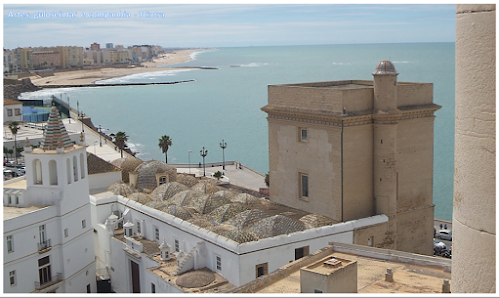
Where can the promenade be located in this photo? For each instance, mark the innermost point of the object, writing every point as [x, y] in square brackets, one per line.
[244, 177]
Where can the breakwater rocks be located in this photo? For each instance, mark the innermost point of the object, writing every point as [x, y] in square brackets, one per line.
[13, 91]
[113, 85]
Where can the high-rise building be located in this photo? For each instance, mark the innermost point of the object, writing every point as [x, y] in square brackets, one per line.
[352, 149]
[95, 47]
[109, 46]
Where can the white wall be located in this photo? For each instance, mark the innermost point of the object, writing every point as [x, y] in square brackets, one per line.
[238, 260]
[103, 180]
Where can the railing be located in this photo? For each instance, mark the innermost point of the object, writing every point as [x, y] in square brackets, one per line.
[44, 245]
[53, 280]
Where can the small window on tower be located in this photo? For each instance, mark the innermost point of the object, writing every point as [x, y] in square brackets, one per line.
[303, 134]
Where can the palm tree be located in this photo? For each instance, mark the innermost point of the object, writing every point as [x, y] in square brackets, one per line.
[164, 143]
[120, 139]
[14, 128]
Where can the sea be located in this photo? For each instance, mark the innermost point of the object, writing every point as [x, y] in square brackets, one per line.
[225, 103]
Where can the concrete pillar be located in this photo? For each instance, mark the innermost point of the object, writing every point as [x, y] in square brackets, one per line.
[474, 230]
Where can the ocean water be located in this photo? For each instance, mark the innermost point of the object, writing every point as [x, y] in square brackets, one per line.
[225, 103]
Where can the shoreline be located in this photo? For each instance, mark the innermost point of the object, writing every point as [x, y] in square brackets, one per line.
[86, 77]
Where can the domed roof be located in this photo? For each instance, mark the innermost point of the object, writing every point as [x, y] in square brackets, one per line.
[121, 188]
[168, 190]
[187, 180]
[178, 211]
[246, 199]
[227, 194]
[227, 211]
[184, 197]
[385, 67]
[240, 236]
[141, 197]
[206, 203]
[127, 165]
[247, 218]
[156, 205]
[312, 221]
[275, 225]
[148, 170]
[205, 187]
[202, 222]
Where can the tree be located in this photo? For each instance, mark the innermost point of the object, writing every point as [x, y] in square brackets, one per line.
[164, 143]
[217, 175]
[119, 139]
[14, 128]
[267, 179]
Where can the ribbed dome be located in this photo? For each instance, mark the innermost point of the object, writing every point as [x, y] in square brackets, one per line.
[127, 165]
[167, 191]
[184, 197]
[141, 197]
[226, 212]
[205, 187]
[227, 194]
[156, 205]
[275, 225]
[187, 180]
[121, 188]
[385, 67]
[178, 211]
[240, 236]
[207, 203]
[247, 218]
[246, 199]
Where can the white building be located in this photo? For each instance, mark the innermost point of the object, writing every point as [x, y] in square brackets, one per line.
[134, 241]
[12, 110]
[48, 236]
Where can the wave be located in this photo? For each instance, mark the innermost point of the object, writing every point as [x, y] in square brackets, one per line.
[341, 63]
[47, 93]
[141, 76]
[253, 64]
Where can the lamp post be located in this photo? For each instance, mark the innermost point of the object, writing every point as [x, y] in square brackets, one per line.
[223, 146]
[100, 138]
[203, 153]
[69, 109]
[189, 160]
[81, 119]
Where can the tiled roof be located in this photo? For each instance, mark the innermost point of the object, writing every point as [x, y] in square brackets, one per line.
[55, 134]
[9, 102]
[97, 165]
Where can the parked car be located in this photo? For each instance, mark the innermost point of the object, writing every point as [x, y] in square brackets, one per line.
[7, 173]
[20, 165]
[444, 234]
[10, 164]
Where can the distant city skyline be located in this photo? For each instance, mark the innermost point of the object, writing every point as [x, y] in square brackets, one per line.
[225, 25]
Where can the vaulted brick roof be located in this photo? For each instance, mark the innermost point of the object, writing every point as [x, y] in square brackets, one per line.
[97, 165]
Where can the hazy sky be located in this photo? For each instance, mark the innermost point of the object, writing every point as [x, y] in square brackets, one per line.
[227, 25]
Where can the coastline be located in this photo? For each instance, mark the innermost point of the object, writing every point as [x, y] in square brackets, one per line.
[84, 77]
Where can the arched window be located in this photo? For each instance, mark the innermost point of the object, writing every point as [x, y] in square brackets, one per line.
[37, 173]
[163, 180]
[68, 170]
[75, 169]
[82, 166]
[53, 172]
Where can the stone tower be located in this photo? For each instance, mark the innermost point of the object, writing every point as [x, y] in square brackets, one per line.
[474, 206]
[353, 149]
[385, 146]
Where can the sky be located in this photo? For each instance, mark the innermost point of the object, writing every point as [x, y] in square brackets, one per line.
[226, 25]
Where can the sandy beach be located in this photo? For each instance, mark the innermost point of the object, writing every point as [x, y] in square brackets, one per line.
[92, 76]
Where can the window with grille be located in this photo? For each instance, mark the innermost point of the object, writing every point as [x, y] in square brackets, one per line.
[157, 234]
[218, 263]
[12, 277]
[176, 245]
[304, 185]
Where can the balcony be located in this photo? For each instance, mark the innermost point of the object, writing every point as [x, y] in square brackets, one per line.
[39, 286]
[44, 246]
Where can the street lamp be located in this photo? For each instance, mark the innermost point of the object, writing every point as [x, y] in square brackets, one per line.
[81, 119]
[223, 146]
[100, 138]
[69, 109]
[203, 153]
[189, 160]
